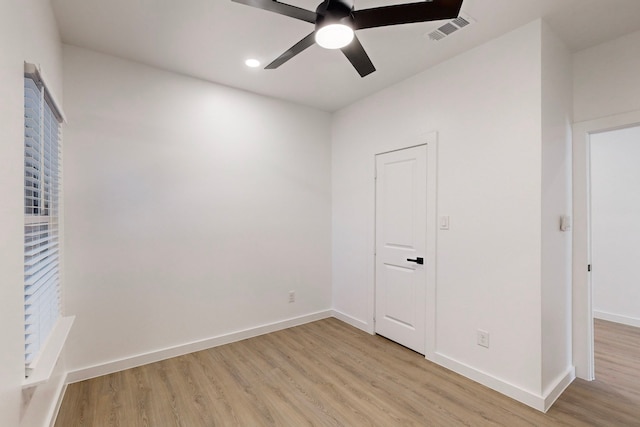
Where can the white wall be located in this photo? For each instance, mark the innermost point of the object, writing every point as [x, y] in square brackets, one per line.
[11, 218]
[557, 104]
[28, 32]
[606, 79]
[192, 209]
[486, 107]
[615, 231]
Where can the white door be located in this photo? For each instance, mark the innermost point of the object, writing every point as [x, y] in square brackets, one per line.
[401, 225]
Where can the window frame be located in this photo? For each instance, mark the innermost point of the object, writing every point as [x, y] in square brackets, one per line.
[42, 227]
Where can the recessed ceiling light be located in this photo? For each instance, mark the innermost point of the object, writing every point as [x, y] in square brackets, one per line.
[253, 63]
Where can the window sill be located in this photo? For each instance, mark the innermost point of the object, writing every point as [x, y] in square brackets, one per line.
[42, 369]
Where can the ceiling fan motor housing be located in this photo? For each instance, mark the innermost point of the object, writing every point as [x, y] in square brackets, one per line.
[334, 12]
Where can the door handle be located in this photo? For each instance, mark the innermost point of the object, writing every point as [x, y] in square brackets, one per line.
[417, 260]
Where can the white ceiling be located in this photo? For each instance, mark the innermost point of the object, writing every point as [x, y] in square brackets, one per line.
[210, 39]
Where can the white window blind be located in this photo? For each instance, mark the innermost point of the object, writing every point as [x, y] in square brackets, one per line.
[42, 168]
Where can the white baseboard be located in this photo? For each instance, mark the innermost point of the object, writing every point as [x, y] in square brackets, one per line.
[625, 320]
[356, 323]
[56, 408]
[541, 403]
[179, 350]
[558, 387]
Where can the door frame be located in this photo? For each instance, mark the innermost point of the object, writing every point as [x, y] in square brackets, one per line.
[430, 258]
[582, 316]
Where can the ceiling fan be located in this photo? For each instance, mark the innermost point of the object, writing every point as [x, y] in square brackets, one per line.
[336, 20]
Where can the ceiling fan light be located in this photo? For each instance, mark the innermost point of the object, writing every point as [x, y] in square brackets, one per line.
[334, 36]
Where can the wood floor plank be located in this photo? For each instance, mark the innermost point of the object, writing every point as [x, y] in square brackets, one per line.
[328, 373]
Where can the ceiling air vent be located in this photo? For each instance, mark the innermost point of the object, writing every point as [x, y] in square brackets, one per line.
[451, 27]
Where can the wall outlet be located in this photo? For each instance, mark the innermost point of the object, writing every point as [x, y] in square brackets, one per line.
[292, 296]
[483, 338]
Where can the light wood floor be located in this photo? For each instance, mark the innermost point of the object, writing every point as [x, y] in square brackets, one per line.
[327, 373]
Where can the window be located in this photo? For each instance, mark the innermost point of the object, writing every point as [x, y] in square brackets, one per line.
[42, 171]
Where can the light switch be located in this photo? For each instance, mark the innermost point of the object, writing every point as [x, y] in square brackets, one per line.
[565, 223]
[444, 223]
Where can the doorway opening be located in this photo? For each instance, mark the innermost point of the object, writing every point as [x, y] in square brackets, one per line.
[615, 230]
[615, 249]
[598, 212]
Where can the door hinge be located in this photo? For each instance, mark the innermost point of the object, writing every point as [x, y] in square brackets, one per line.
[589, 267]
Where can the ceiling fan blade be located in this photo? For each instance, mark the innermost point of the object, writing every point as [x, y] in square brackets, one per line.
[406, 13]
[282, 9]
[293, 51]
[356, 54]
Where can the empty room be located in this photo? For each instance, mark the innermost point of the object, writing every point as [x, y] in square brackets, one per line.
[338, 212]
